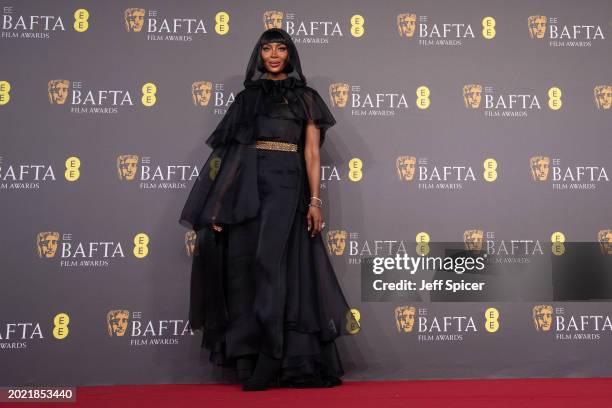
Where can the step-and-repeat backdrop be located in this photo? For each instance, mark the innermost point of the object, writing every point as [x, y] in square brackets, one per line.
[476, 122]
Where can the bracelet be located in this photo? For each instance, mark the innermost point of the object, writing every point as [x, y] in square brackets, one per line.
[317, 198]
[313, 205]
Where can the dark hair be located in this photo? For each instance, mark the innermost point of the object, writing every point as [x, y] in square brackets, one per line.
[272, 36]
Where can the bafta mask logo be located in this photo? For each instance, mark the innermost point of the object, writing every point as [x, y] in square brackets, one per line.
[127, 166]
[406, 22]
[472, 94]
[338, 94]
[58, 91]
[117, 322]
[200, 93]
[537, 26]
[46, 244]
[336, 242]
[473, 239]
[190, 241]
[273, 19]
[542, 317]
[405, 166]
[353, 318]
[404, 318]
[539, 167]
[605, 241]
[603, 96]
[134, 19]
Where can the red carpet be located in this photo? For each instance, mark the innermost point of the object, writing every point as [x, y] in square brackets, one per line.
[523, 393]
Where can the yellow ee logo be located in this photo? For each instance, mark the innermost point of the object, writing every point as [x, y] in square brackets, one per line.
[357, 22]
[422, 240]
[148, 94]
[488, 28]
[422, 237]
[72, 172]
[5, 89]
[422, 248]
[557, 239]
[491, 320]
[353, 317]
[423, 100]
[490, 173]
[222, 23]
[355, 169]
[80, 20]
[554, 98]
[60, 326]
[141, 245]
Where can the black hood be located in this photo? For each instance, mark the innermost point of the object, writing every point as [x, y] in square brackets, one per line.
[255, 68]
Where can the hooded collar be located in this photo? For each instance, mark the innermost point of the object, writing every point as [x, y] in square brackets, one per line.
[270, 85]
[253, 75]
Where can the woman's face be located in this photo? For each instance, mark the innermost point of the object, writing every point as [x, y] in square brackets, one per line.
[274, 56]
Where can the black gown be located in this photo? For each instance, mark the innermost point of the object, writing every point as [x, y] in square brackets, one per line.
[263, 284]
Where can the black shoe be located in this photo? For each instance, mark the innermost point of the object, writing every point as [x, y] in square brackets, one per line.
[334, 381]
[307, 382]
[265, 373]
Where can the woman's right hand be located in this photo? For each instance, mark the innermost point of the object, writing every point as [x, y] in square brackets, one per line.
[216, 227]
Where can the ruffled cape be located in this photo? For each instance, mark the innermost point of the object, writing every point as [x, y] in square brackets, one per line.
[225, 191]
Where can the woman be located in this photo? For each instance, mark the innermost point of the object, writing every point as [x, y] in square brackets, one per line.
[262, 287]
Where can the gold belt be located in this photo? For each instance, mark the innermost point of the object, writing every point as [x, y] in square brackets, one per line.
[271, 145]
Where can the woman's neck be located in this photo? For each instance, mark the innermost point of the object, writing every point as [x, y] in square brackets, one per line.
[277, 77]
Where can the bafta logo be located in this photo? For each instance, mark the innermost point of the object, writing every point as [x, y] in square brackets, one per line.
[58, 91]
[537, 26]
[404, 318]
[336, 241]
[353, 317]
[127, 166]
[46, 244]
[338, 94]
[190, 241]
[542, 317]
[117, 322]
[134, 19]
[406, 22]
[605, 241]
[473, 239]
[405, 166]
[603, 96]
[200, 93]
[273, 19]
[472, 93]
[539, 167]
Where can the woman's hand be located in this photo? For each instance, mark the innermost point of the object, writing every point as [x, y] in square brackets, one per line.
[315, 220]
[216, 227]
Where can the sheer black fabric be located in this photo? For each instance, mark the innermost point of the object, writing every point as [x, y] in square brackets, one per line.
[263, 284]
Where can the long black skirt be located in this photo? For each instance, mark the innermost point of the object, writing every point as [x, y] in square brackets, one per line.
[264, 285]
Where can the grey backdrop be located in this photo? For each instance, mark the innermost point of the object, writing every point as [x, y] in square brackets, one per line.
[96, 206]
